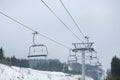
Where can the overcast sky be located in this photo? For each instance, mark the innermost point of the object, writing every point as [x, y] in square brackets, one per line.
[98, 19]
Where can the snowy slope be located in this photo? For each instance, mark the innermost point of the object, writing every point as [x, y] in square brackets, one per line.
[16, 73]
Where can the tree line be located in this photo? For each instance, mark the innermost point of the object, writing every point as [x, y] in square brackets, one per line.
[47, 65]
[12, 61]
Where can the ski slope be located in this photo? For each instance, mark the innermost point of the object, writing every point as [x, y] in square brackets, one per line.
[16, 73]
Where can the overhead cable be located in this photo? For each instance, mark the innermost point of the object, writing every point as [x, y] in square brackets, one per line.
[72, 18]
[17, 21]
[60, 20]
[25, 26]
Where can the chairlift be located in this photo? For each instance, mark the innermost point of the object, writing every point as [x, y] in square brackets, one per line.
[93, 55]
[72, 58]
[93, 60]
[37, 50]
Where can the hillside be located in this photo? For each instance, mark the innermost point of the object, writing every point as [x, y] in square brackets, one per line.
[16, 73]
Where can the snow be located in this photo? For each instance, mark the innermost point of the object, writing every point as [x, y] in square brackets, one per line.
[16, 73]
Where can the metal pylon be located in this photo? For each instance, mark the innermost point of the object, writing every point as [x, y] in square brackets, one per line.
[83, 48]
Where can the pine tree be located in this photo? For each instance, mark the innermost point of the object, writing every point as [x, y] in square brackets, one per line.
[1, 54]
[115, 66]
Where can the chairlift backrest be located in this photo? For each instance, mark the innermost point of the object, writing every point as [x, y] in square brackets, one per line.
[72, 59]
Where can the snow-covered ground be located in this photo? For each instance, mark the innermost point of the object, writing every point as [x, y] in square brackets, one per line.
[16, 73]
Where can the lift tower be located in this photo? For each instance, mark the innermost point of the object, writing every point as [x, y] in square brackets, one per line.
[84, 47]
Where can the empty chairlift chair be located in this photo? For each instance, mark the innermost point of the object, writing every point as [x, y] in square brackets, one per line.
[93, 58]
[37, 50]
[72, 58]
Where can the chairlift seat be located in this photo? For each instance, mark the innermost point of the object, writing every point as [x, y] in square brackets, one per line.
[37, 55]
[72, 61]
[38, 45]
